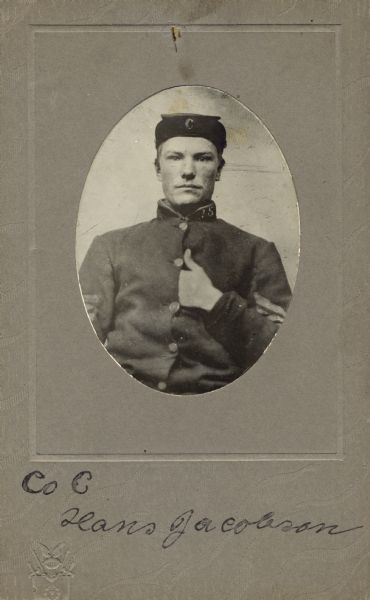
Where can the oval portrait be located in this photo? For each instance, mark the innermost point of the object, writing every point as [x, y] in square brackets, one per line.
[187, 240]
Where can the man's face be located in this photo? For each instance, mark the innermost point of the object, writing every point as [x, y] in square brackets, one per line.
[188, 168]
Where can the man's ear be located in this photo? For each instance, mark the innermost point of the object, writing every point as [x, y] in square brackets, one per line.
[158, 169]
[221, 164]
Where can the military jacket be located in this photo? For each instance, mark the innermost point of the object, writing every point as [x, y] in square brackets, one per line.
[133, 273]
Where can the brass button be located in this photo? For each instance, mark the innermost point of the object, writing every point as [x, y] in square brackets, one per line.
[162, 385]
[174, 307]
[178, 262]
[183, 226]
[173, 346]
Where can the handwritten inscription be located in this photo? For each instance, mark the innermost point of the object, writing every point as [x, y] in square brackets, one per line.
[78, 484]
[188, 521]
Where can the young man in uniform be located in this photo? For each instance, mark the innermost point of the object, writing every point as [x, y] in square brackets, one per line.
[185, 302]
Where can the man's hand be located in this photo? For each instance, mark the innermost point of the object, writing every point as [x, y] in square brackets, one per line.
[195, 287]
[273, 312]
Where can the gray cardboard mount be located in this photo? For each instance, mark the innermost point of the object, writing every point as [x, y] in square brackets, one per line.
[199, 475]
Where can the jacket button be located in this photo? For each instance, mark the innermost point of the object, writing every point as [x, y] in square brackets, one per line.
[178, 262]
[183, 226]
[174, 307]
[173, 346]
[162, 385]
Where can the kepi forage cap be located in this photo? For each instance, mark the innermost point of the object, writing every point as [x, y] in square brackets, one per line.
[191, 125]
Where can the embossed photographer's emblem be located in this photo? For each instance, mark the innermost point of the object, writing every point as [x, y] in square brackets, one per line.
[51, 571]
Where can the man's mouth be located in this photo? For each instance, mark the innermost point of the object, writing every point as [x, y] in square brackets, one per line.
[189, 187]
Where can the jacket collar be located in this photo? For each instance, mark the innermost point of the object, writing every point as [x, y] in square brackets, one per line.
[206, 212]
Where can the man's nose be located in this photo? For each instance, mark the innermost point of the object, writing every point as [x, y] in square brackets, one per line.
[188, 170]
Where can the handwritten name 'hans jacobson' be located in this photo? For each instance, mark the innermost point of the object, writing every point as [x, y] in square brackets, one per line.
[36, 482]
[187, 521]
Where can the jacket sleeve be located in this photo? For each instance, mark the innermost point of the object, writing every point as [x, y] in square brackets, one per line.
[97, 285]
[234, 320]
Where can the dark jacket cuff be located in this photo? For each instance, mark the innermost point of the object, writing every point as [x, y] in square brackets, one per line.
[242, 331]
[227, 310]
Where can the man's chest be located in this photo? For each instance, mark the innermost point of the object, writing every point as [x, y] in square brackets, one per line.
[151, 263]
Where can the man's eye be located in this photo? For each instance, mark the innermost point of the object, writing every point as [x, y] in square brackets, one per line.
[205, 158]
[173, 157]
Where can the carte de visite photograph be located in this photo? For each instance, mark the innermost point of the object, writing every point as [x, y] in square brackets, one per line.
[187, 240]
[184, 367]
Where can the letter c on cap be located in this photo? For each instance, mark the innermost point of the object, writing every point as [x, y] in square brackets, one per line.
[189, 123]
